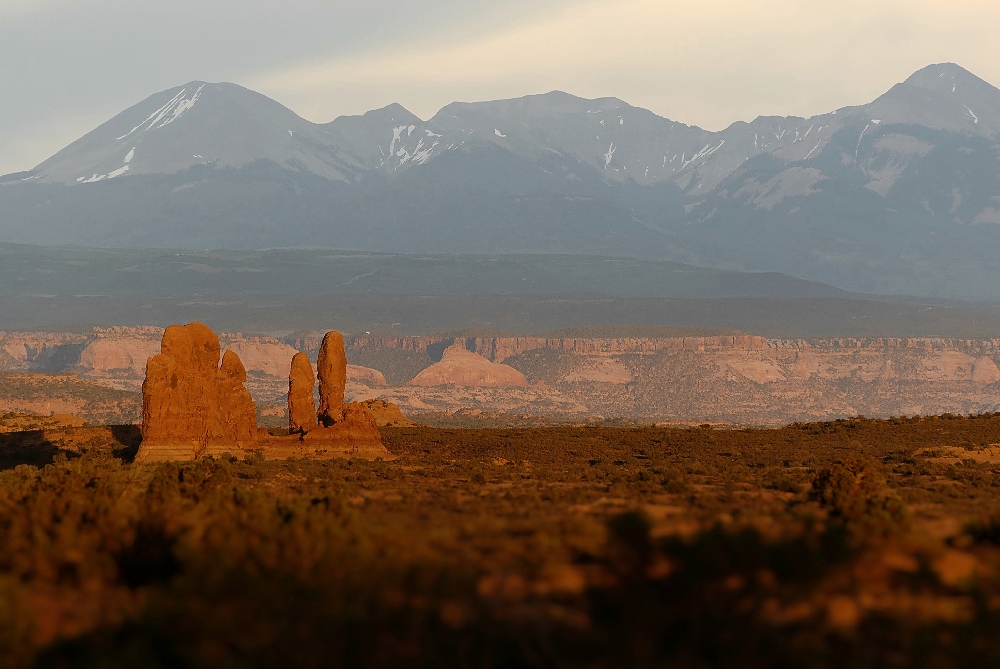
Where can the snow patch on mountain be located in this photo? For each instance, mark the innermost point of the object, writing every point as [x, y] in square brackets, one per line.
[706, 151]
[182, 106]
[397, 134]
[609, 155]
[168, 113]
[113, 173]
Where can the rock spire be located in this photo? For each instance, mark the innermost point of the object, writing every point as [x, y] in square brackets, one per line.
[189, 401]
[301, 402]
[349, 428]
[332, 368]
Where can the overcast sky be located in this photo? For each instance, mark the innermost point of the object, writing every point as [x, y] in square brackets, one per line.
[66, 66]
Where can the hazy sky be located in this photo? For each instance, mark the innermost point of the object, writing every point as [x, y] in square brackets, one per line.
[66, 66]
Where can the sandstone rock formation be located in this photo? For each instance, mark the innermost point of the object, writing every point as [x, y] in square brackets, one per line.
[388, 414]
[332, 369]
[38, 351]
[189, 402]
[236, 411]
[356, 428]
[260, 354]
[757, 370]
[117, 357]
[337, 429]
[461, 367]
[301, 402]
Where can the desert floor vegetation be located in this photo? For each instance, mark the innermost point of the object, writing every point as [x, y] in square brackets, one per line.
[848, 543]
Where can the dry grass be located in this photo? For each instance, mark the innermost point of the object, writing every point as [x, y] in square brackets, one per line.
[862, 543]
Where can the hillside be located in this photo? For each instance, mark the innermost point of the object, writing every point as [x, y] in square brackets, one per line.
[896, 196]
[281, 291]
[65, 270]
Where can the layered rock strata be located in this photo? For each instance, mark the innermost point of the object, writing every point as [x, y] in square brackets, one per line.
[498, 349]
[190, 403]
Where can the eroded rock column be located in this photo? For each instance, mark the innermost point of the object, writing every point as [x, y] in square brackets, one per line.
[332, 369]
[237, 413]
[301, 402]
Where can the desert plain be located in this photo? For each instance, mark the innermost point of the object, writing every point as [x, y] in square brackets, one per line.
[588, 501]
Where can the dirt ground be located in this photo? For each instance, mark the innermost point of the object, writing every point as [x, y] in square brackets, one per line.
[860, 542]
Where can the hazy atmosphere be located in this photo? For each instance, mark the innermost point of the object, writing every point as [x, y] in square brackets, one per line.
[68, 66]
[516, 335]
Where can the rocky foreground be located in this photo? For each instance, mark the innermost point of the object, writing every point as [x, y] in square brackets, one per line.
[740, 379]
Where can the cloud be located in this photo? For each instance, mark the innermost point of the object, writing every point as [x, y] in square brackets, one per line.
[79, 58]
[708, 62]
[18, 8]
[34, 142]
[703, 62]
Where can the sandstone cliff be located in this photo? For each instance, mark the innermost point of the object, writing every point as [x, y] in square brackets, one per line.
[741, 378]
[39, 351]
[498, 349]
[123, 351]
[365, 376]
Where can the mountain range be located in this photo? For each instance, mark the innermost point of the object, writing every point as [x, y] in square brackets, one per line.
[898, 196]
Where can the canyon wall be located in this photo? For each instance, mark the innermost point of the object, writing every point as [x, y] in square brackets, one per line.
[497, 349]
[743, 379]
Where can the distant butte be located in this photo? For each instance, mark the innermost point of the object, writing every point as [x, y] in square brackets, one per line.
[461, 367]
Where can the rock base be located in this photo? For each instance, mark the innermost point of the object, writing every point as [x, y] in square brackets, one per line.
[388, 414]
[356, 436]
[282, 448]
[181, 450]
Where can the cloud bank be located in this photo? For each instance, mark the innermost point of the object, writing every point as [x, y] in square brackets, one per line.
[708, 62]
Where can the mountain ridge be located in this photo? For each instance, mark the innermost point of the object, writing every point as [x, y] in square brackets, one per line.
[240, 126]
[901, 195]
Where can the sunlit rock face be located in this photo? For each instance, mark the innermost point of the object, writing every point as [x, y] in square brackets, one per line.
[332, 370]
[190, 401]
[301, 402]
